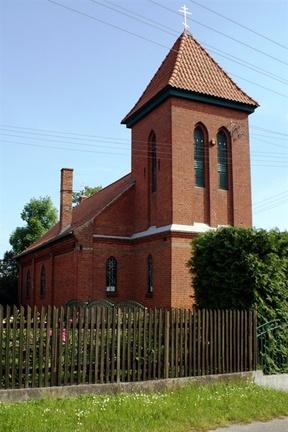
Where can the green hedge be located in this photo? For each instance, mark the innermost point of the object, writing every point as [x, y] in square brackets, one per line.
[246, 269]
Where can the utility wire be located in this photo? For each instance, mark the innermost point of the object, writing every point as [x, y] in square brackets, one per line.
[259, 85]
[106, 23]
[117, 142]
[240, 25]
[222, 33]
[261, 140]
[279, 203]
[146, 155]
[53, 131]
[270, 131]
[147, 39]
[277, 138]
[271, 198]
[122, 146]
[171, 31]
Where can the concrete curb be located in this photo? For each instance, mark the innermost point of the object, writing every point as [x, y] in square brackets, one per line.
[25, 394]
[277, 381]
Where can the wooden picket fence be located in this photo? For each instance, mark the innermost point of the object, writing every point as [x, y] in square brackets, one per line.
[53, 346]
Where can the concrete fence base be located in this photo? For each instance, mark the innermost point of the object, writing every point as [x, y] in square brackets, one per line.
[277, 381]
[25, 394]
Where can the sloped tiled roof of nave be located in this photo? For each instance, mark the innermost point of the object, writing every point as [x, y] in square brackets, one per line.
[86, 210]
[188, 66]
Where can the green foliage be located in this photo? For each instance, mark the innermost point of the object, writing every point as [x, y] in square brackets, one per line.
[244, 269]
[39, 215]
[8, 279]
[194, 407]
[86, 191]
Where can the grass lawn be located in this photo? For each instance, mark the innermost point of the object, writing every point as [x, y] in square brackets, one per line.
[193, 408]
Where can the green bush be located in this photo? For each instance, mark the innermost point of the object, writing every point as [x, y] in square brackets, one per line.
[239, 268]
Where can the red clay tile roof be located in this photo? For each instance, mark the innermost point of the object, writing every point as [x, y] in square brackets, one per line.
[188, 66]
[86, 210]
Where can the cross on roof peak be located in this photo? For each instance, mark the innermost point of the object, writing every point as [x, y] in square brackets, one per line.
[184, 10]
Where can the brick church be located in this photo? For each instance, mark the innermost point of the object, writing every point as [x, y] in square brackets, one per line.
[190, 173]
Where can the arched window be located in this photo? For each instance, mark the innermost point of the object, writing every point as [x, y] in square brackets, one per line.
[149, 274]
[28, 284]
[152, 153]
[111, 274]
[42, 281]
[199, 157]
[222, 156]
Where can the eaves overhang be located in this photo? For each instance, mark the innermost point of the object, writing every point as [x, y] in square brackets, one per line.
[44, 244]
[169, 91]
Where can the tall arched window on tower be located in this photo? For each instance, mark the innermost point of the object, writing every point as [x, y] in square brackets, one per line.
[222, 157]
[111, 274]
[28, 284]
[42, 281]
[149, 274]
[199, 157]
[152, 156]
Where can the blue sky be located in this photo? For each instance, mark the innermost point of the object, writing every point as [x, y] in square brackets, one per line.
[66, 82]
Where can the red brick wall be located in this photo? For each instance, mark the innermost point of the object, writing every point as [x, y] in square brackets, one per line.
[102, 250]
[59, 263]
[152, 208]
[118, 218]
[182, 294]
[160, 250]
[132, 270]
[189, 202]
[64, 279]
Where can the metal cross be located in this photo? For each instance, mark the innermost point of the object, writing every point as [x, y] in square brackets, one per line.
[184, 10]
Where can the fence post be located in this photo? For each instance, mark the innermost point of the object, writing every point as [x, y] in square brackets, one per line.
[166, 345]
[118, 363]
[255, 340]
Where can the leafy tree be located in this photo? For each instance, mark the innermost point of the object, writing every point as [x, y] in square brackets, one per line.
[86, 191]
[238, 268]
[39, 215]
[8, 279]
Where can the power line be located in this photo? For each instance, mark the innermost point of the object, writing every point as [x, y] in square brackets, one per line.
[279, 203]
[121, 145]
[270, 131]
[278, 138]
[171, 31]
[222, 34]
[135, 16]
[145, 154]
[147, 39]
[261, 140]
[106, 23]
[77, 134]
[239, 24]
[271, 198]
[259, 85]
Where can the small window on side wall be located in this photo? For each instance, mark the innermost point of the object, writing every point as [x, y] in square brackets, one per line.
[152, 156]
[28, 284]
[111, 275]
[42, 281]
[199, 157]
[149, 274]
[222, 157]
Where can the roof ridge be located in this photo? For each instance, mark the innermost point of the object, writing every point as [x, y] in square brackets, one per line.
[188, 66]
[103, 189]
[206, 52]
[175, 70]
[155, 76]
